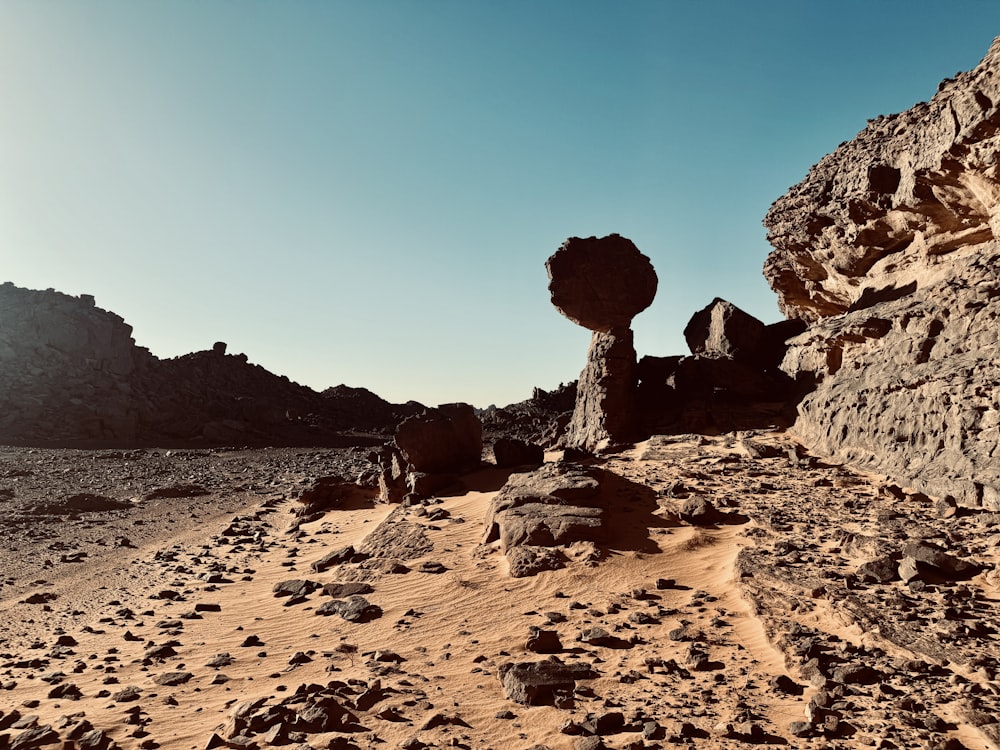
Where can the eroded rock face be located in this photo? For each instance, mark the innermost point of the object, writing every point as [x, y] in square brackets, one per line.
[889, 248]
[601, 284]
[885, 209]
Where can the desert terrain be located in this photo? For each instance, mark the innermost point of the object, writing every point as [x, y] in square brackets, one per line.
[172, 620]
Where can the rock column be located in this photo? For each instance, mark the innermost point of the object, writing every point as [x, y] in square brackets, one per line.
[601, 284]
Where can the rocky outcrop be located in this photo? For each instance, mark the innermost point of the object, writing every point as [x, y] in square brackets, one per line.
[601, 284]
[889, 248]
[731, 381]
[537, 516]
[66, 368]
[71, 373]
[429, 450]
[540, 419]
[887, 208]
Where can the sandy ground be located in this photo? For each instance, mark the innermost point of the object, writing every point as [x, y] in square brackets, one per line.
[150, 642]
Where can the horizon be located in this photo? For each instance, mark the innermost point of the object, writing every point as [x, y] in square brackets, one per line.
[366, 194]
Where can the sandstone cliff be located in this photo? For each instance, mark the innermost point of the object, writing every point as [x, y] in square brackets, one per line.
[889, 248]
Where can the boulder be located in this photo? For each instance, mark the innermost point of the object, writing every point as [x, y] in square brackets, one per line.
[923, 558]
[554, 506]
[429, 451]
[353, 609]
[539, 683]
[722, 330]
[447, 439]
[513, 452]
[525, 560]
[601, 283]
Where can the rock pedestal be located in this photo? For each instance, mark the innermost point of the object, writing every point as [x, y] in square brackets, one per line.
[601, 284]
[605, 410]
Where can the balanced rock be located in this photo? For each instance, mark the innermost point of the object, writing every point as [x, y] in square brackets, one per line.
[601, 284]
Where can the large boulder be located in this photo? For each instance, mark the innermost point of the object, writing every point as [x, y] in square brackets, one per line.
[889, 248]
[429, 451]
[539, 683]
[600, 283]
[442, 440]
[553, 507]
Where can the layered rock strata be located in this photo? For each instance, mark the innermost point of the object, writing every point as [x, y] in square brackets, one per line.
[601, 284]
[889, 249]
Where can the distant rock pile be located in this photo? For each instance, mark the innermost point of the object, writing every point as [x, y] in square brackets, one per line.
[889, 249]
[70, 373]
[731, 381]
[601, 284]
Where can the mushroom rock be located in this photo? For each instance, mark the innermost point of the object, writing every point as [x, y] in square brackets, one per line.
[601, 284]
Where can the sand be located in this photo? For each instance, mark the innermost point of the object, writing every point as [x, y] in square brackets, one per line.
[200, 578]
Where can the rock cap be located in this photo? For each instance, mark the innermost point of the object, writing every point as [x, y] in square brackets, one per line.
[601, 283]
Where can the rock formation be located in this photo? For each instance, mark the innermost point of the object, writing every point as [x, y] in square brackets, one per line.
[70, 372]
[730, 382]
[889, 249]
[601, 284]
[66, 366]
[428, 452]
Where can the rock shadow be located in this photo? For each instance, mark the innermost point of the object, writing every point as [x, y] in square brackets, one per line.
[630, 512]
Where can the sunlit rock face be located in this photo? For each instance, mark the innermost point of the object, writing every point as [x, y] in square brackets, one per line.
[892, 205]
[889, 249]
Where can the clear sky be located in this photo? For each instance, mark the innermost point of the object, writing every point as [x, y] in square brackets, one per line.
[365, 192]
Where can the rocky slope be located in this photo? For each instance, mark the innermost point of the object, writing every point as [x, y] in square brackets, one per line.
[71, 373]
[889, 249]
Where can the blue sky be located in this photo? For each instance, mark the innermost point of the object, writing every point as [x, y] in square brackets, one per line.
[365, 192]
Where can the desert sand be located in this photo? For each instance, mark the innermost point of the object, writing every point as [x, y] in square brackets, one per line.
[157, 625]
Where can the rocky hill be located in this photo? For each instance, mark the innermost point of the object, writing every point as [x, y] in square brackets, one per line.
[71, 373]
[889, 249]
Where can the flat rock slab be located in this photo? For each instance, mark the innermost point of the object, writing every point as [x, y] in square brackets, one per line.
[539, 683]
